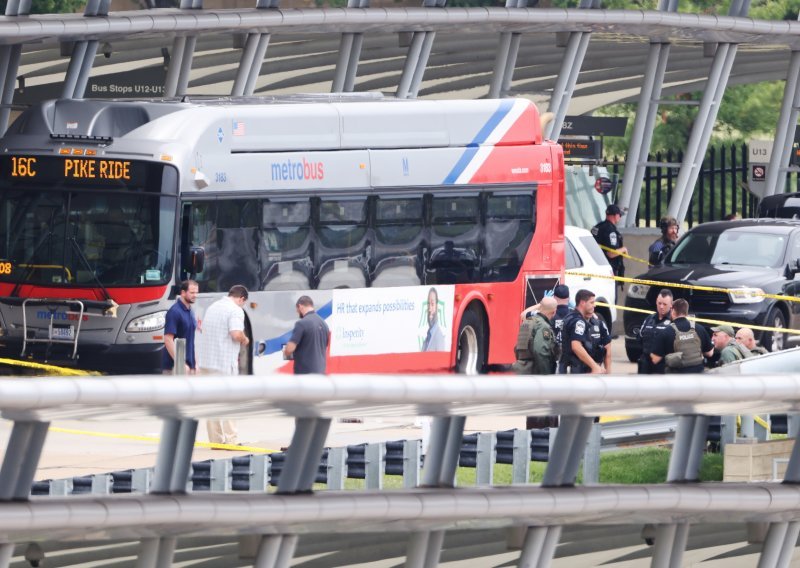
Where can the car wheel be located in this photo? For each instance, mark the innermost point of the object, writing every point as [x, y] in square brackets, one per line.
[633, 352]
[770, 340]
[470, 356]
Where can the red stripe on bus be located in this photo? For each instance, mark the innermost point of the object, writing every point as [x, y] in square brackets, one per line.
[119, 295]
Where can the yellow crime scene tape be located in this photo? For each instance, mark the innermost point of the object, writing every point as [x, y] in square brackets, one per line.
[679, 285]
[62, 371]
[623, 254]
[156, 440]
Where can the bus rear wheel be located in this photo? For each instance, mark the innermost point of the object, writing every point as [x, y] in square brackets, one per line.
[471, 349]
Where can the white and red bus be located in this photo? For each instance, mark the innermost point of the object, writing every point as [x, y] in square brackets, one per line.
[420, 228]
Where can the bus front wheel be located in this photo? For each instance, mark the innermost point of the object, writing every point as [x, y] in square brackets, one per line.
[471, 350]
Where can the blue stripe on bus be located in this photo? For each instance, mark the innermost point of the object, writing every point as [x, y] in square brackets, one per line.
[469, 153]
[276, 344]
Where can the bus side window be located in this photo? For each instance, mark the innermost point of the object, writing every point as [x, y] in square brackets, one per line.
[400, 238]
[287, 251]
[238, 239]
[455, 239]
[343, 245]
[508, 232]
[204, 234]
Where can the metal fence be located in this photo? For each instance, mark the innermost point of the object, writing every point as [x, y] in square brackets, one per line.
[722, 186]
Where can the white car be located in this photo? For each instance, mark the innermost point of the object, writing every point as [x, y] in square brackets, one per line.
[583, 255]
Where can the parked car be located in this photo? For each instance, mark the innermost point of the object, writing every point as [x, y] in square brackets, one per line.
[584, 255]
[750, 257]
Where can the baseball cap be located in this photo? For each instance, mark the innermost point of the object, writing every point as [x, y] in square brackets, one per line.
[561, 291]
[725, 329]
[613, 210]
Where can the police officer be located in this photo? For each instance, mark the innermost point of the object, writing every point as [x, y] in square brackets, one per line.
[561, 294]
[536, 349]
[607, 235]
[729, 349]
[681, 345]
[586, 338]
[650, 326]
[746, 338]
[665, 243]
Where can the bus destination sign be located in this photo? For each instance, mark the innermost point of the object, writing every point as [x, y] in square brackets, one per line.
[81, 169]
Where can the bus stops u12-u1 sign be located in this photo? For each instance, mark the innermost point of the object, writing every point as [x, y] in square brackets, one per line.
[374, 321]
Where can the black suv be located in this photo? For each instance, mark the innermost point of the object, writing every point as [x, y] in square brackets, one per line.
[751, 256]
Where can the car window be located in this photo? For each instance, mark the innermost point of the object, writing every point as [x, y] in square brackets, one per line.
[740, 247]
[571, 257]
[597, 253]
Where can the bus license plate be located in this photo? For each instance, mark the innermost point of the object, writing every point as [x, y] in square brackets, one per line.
[63, 332]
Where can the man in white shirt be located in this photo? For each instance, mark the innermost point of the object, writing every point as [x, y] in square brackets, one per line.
[220, 342]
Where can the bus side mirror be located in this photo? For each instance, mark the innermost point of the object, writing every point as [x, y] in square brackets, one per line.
[195, 261]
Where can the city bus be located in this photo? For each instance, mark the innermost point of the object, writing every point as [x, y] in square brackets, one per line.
[419, 228]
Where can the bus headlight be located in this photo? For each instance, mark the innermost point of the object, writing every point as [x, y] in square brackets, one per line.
[746, 295]
[150, 322]
[638, 291]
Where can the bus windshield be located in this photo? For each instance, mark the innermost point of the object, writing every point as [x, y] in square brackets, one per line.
[86, 238]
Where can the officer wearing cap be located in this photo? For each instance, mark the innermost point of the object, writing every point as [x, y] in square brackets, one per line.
[607, 235]
[729, 349]
[665, 243]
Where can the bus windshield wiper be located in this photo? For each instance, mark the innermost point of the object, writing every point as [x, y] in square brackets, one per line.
[88, 266]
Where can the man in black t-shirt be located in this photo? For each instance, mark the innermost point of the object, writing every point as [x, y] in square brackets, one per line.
[694, 341]
[309, 340]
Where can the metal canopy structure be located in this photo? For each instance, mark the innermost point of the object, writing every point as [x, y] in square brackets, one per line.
[570, 60]
[276, 520]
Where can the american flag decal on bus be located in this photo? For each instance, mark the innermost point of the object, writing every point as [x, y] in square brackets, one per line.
[238, 128]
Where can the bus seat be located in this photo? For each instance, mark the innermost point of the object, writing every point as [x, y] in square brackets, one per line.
[396, 271]
[341, 273]
[286, 276]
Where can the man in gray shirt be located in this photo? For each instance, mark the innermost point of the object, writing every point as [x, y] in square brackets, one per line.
[309, 340]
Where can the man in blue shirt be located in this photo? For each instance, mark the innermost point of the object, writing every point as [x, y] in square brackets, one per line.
[181, 324]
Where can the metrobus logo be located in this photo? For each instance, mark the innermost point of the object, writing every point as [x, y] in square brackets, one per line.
[59, 316]
[291, 170]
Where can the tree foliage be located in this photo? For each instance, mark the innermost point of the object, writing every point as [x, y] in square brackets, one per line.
[51, 6]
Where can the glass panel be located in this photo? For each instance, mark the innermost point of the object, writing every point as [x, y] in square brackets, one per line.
[455, 238]
[204, 234]
[572, 258]
[342, 242]
[399, 236]
[238, 239]
[286, 238]
[507, 235]
[740, 247]
[82, 238]
[597, 253]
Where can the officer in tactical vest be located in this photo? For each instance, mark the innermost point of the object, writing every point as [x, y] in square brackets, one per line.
[586, 338]
[682, 345]
[745, 337]
[729, 349]
[536, 349]
[650, 326]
